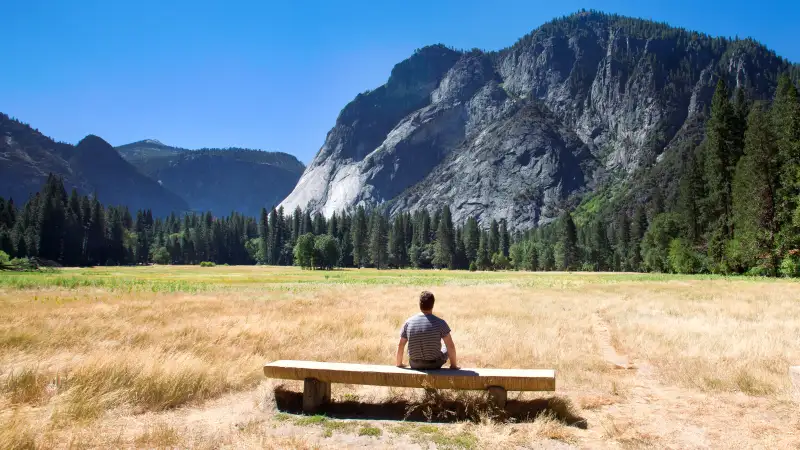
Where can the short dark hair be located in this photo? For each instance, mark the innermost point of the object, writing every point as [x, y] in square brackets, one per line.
[426, 300]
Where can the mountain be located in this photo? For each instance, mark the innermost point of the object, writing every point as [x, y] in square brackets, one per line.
[147, 149]
[579, 104]
[93, 166]
[119, 183]
[218, 180]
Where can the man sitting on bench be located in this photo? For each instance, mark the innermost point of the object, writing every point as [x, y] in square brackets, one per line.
[424, 333]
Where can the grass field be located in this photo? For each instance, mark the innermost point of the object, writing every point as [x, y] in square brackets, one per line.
[171, 357]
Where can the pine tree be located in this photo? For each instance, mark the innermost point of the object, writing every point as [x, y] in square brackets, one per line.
[505, 239]
[360, 238]
[755, 194]
[567, 250]
[719, 173]
[297, 217]
[532, 255]
[263, 233]
[273, 247]
[397, 244]
[95, 235]
[306, 226]
[471, 239]
[786, 129]
[460, 260]
[482, 261]
[638, 229]
[444, 251]
[378, 240]
[51, 220]
[320, 227]
[494, 238]
[691, 196]
[424, 228]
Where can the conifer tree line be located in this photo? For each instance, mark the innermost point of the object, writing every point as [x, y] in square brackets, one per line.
[737, 211]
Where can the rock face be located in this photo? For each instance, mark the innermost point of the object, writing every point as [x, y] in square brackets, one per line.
[218, 180]
[512, 134]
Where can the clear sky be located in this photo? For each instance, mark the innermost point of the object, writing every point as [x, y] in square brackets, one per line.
[273, 74]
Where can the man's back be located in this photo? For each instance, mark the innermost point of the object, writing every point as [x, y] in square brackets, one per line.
[424, 333]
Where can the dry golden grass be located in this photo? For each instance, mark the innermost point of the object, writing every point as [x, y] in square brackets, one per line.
[171, 357]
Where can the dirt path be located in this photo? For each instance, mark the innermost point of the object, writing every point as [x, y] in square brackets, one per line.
[652, 414]
[602, 335]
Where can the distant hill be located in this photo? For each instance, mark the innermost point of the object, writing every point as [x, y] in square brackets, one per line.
[146, 149]
[27, 157]
[218, 180]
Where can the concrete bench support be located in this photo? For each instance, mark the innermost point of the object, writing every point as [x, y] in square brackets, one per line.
[498, 396]
[315, 394]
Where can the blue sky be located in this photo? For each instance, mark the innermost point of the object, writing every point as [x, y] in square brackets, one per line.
[272, 74]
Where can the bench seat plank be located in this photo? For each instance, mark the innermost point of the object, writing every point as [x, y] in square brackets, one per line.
[379, 375]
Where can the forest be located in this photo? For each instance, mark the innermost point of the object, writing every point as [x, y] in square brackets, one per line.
[738, 212]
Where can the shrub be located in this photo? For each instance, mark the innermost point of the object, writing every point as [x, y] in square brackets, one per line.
[500, 262]
[758, 271]
[473, 267]
[790, 266]
[207, 264]
[682, 258]
[161, 256]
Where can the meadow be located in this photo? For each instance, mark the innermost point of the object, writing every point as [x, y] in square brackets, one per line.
[170, 357]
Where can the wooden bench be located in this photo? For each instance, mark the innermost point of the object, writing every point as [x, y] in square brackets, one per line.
[318, 376]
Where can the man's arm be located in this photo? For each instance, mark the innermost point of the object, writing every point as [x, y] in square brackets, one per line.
[401, 346]
[451, 351]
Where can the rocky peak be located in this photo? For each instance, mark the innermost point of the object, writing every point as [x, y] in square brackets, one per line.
[617, 91]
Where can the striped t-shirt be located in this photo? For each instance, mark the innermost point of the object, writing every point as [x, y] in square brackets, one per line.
[424, 333]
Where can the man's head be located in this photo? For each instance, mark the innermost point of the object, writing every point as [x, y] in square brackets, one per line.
[426, 300]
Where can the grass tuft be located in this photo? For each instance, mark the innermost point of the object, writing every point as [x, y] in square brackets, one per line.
[370, 431]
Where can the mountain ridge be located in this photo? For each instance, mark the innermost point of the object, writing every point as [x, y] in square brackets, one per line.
[631, 90]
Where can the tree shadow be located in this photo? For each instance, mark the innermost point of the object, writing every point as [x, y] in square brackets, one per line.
[438, 406]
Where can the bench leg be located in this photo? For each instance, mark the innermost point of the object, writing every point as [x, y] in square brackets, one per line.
[497, 396]
[315, 394]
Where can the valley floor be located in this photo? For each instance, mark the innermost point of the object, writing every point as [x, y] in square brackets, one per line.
[171, 357]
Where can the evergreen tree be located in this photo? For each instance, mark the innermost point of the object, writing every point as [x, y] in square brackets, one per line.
[95, 235]
[360, 238]
[320, 227]
[786, 129]
[690, 198]
[494, 238]
[297, 217]
[51, 220]
[719, 155]
[378, 239]
[638, 228]
[424, 227]
[273, 244]
[460, 260]
[567, 249]
[622, 235]
[444, 253]
[306, 226]
[482, 261]
[505, 239]
[600, 248]
[471, 239]
[755, 195]
[263, 234]
[397, 244]
[532, 255]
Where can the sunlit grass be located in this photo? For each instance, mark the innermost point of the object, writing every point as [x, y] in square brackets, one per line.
[80, 348]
